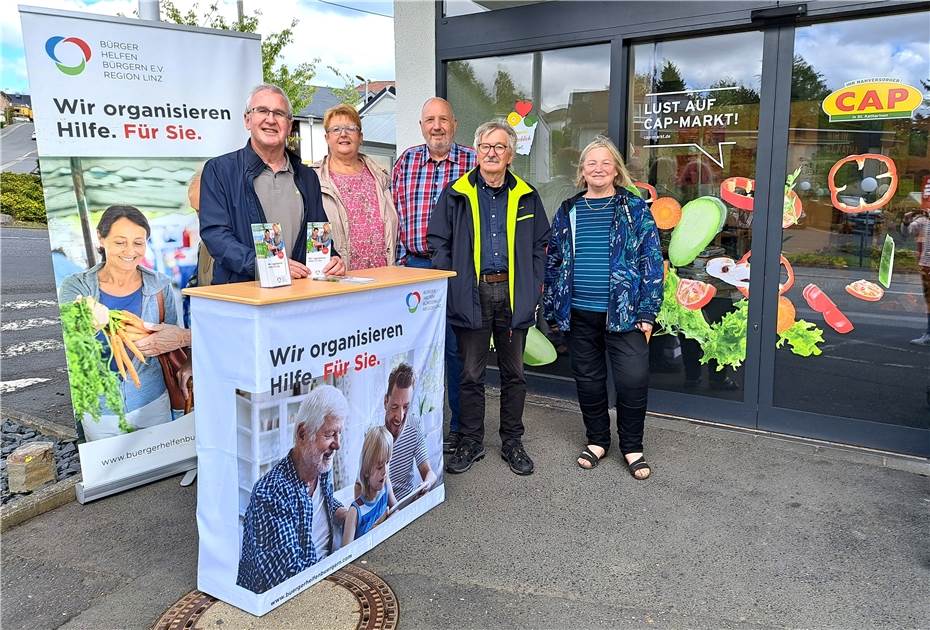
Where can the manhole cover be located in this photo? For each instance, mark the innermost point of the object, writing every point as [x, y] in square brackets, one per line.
[349, 598]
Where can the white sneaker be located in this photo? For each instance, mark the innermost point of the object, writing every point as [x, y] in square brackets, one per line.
[923, 340]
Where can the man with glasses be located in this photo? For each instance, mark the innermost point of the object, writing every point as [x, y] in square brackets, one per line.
[490, 227]
[420, 175]
[262, 182]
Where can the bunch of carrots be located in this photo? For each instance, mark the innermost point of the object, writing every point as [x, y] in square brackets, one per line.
[122, 331]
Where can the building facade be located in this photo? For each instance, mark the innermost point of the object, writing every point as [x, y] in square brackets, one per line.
[806, 124]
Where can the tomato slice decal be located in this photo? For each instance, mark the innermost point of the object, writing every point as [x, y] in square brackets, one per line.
[650, 190]
[865, 290]
[694, 294]
[886, 173]
[737, 191]
[832, 315]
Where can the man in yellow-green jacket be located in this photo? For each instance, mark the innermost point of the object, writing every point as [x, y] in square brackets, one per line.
[490, 227]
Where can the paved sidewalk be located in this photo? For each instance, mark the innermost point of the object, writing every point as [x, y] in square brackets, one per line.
[733, 531]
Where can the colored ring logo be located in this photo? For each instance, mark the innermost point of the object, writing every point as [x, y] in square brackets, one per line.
[413, 301]
[52, 44]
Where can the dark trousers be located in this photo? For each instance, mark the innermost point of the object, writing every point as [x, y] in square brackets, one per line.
[453, 362]
[590, 345]
[474, 348]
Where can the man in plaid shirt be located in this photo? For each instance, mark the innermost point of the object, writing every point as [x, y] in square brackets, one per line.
[289, 523]
[421, 173]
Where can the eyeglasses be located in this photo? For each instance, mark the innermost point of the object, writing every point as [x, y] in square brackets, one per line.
[484, 147]
[349, 129]
[264, 112]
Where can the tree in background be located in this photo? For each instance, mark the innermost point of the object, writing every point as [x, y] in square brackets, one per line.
[348, 94]
[295, 81]
[807, 84]
[670, 79]
[742, 95]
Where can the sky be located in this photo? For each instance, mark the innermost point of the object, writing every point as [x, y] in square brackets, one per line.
[355, 42]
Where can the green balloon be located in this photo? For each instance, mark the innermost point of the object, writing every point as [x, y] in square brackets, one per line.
[530, 120]
[701, 220]
[538, 350]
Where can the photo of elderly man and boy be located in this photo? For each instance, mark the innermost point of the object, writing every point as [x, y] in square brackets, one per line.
[353, 452]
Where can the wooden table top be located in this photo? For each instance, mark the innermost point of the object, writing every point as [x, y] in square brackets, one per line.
[307, 289]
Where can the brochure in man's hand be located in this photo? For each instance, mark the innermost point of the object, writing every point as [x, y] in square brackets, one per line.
[270, 256]
[319, 247]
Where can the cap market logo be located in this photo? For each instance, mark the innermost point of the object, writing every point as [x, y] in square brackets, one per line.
[52, 45]
[872, 99]
[413, 301]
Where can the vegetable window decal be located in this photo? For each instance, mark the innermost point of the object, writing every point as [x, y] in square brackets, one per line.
[650, 191]
[667, 212]
[860, 183]
[694, 294]
[865, 290]
[820, 302]
[739, 192]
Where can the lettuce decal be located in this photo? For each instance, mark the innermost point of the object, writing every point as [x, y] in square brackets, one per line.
[725, 341]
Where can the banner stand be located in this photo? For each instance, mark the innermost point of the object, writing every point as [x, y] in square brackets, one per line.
[85, 495]
[127, 111]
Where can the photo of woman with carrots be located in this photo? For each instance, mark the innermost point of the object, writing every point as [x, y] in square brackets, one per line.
[136, 315]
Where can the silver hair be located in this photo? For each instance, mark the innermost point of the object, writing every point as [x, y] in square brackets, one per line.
[494, 125]
[437, 99]
[268, 87]
[322, 402]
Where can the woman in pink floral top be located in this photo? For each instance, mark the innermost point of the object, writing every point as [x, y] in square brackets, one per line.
[356, 195]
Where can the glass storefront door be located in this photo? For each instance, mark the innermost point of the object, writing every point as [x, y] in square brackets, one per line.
[858, 170]
[693, 136]
[807, 144]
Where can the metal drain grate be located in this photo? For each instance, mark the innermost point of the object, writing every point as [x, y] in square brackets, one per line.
[379, 606]
[377, 603]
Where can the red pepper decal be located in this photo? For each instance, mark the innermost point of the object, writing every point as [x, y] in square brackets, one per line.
[738, 192]
[866, 186]
[651, 193]
[782, 287]
[834, 317]
[730, 192]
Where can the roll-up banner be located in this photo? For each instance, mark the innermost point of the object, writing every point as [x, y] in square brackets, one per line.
[126, 113]
[323, 436]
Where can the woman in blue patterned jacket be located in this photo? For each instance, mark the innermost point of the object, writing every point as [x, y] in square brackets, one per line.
[603, 289]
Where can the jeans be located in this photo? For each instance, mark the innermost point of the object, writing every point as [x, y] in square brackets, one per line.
[628, 353]
[453, 362]
[474, 348]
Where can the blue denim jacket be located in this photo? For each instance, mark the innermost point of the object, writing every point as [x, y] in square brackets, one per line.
[636, 271]
[87, 284]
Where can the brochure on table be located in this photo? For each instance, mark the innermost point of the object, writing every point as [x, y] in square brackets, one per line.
[271, 264]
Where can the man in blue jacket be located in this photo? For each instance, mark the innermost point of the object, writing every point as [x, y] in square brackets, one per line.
[262, 182]
[490, 227]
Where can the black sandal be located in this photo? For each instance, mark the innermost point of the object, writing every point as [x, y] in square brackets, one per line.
[589, 456]
[639, 464]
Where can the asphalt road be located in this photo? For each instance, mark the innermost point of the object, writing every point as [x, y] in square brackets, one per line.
[18, 149]
[33, 377]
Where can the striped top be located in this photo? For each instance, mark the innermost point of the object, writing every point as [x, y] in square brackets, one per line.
[409, 452]
[593, 219]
